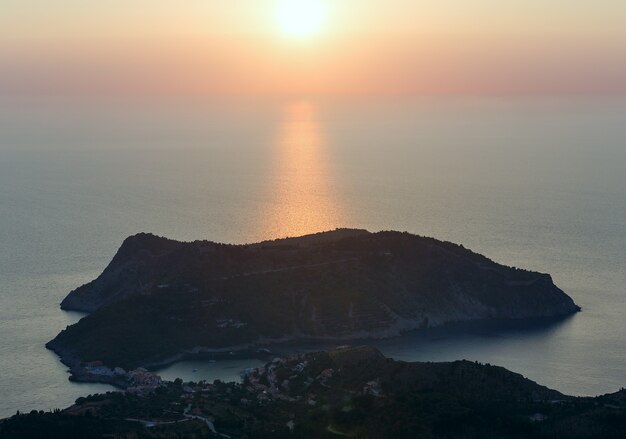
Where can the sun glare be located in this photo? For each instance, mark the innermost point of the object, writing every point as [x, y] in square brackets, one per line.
[301, 18]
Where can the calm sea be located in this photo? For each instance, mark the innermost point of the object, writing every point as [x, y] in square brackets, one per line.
[533, 183]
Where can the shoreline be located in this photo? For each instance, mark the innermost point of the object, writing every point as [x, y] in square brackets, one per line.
[255, 350]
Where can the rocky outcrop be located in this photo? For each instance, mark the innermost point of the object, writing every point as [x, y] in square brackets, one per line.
[158, 297]
[145, 261]
[133, 263]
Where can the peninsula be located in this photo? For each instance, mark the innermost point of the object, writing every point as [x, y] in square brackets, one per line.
[161, 299]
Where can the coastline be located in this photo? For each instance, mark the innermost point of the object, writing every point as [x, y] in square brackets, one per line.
[257, 349]
[291, 394]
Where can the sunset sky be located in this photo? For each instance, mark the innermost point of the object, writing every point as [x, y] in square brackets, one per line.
[205, 47]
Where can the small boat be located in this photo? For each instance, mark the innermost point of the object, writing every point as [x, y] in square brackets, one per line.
[195, 370]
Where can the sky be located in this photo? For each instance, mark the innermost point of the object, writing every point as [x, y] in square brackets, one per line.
[430, 47]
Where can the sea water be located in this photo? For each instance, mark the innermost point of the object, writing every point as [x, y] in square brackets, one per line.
[538, 183]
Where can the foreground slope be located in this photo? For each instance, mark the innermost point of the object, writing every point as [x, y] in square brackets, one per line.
[159, 298]
[353, 392]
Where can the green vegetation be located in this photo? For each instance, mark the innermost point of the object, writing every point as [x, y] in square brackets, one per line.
[159, 297]
[354, 392]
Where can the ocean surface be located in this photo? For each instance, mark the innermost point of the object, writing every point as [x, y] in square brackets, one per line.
[534, 183]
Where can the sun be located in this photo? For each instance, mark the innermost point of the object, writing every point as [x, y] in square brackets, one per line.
[301, 18]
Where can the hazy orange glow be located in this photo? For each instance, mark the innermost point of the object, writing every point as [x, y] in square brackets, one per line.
[308, 205]
[312, 46]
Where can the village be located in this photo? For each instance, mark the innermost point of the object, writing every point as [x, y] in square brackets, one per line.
[341, 392]
[301, 382]
[138, 381]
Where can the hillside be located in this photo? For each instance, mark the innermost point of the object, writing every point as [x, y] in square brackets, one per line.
[159, 298]
[350, 392]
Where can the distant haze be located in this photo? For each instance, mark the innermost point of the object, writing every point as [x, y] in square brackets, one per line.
[366, 46]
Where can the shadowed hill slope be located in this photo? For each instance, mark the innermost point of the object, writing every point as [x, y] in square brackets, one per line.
[158, 297]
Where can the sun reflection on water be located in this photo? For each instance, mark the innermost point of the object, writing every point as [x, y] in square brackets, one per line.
[302, 198]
